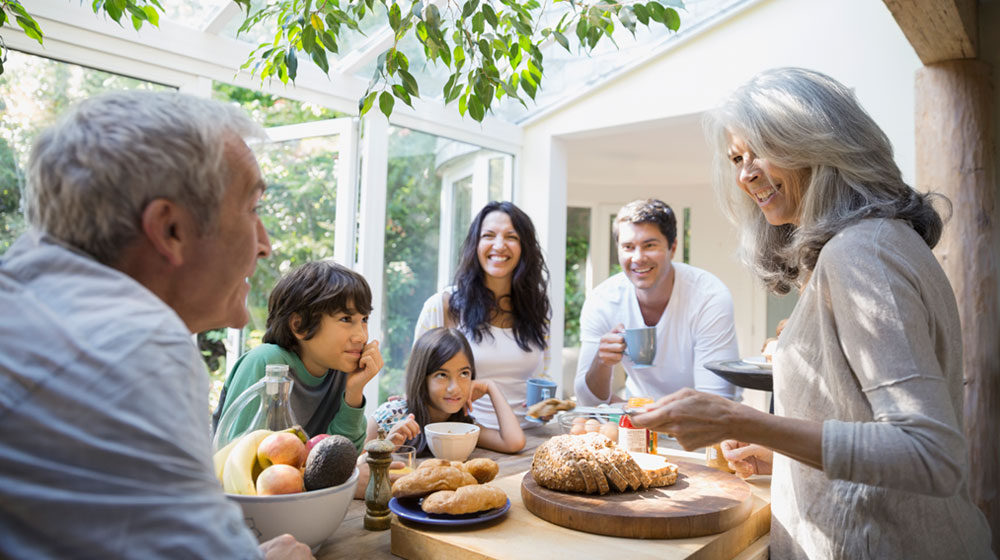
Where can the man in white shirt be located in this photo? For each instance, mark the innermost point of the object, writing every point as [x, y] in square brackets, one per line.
[690, 308]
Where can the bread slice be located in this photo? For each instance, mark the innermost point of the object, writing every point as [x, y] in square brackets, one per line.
[660, 471]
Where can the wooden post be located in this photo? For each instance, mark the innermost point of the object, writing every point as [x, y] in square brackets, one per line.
[955, 156]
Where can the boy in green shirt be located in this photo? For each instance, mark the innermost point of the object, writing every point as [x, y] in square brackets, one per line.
[317, 324]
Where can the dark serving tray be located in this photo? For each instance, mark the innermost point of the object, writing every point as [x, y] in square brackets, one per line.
[748, 375]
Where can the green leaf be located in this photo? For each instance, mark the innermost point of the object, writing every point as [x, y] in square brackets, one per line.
[476, 109]
[395, 19]
[292, 63]
[386, 102]
[329, 41]
[409, 83]
[490, 15]
[309, 39]
[582, 27]
[469, 8]
[152, 15]
[478, 23]
[446, 90]
[459, 55]
[655, 11]
[561, 39]
[366, 102]
[672, 19]
[30, 27]
[432, 16]
[401, 61]
[400, 92]
[319, 57]
[641, 13]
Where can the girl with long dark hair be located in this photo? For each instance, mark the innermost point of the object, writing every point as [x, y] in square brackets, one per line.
[441, 384]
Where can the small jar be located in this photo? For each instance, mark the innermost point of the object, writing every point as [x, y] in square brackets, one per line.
[650, 436]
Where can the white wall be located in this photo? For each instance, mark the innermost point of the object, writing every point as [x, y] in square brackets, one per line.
[855, 41]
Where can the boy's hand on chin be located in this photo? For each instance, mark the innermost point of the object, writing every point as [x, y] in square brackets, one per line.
[369, 365]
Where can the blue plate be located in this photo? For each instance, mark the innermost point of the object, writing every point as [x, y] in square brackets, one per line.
[410, 511]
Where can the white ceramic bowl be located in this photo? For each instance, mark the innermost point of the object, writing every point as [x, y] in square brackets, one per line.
[451, 441]
[311, 517]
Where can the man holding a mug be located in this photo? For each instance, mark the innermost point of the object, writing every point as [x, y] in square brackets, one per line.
[661, 320]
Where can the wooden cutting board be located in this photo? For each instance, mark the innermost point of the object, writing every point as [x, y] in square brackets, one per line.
[703, 501]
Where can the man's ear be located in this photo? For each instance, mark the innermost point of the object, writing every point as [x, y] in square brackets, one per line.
[162, 223]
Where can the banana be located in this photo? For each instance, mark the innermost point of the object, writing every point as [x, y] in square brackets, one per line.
[219, 459]
[237, 474]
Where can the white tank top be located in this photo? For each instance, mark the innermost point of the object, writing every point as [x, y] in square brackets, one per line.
[501, 360]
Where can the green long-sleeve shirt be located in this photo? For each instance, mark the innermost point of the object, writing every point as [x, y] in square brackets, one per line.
[317, 402]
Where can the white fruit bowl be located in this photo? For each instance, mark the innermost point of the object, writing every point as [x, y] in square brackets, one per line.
[451, 441]
[311, 517]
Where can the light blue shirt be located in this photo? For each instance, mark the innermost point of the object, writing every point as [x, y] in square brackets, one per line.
[106, 447]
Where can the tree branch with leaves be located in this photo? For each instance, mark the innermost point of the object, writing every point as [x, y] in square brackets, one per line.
[492, 48]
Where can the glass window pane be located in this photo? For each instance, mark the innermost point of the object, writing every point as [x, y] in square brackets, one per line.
[413, 217]
[577, 247]
[461, 217]
[33, 92]
[614, 267]
[192, 13]
[298, 210]
[498, 178]
[420, 165]
[268, 110]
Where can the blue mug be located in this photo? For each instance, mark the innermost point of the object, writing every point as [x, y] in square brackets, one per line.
[539, 389]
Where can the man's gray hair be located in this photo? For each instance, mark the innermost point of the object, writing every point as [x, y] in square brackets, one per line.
[91, 175]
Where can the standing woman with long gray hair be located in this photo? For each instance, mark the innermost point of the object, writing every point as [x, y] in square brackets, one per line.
[866, 443]
[500, 301]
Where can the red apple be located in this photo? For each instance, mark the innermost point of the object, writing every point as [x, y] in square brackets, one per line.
[314, 440]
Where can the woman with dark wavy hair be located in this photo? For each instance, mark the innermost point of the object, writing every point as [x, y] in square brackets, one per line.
[500, 301]
[866, 443]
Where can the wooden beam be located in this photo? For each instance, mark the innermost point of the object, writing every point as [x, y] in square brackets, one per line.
[955, 151]
[938, 30]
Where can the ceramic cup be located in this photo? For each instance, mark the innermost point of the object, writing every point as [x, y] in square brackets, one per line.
[539, 389]
[640, 345]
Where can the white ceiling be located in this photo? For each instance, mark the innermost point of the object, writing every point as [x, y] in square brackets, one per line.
[663, 153]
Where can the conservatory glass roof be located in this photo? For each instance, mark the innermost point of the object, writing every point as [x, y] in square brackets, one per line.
[206, 31]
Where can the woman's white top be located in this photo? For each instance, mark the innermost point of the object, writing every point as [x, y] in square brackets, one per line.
[498, 358]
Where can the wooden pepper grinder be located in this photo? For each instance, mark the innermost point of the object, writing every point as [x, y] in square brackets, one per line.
[377, 514]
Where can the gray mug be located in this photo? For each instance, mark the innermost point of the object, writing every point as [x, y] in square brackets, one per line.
[640, 345]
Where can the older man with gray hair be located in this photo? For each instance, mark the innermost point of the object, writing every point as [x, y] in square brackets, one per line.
[144, 228]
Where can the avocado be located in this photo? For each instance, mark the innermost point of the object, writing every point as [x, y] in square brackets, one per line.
[330, 462]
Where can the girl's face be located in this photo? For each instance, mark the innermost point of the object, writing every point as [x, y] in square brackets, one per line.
[448, 387]
[776, 190]
[499, 247]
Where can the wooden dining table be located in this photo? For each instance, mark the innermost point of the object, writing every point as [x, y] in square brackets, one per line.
[352, 540]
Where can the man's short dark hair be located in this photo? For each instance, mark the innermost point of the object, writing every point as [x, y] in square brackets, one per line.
[313, 290]
[649, 211]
